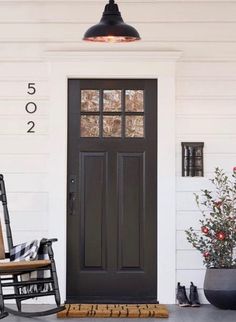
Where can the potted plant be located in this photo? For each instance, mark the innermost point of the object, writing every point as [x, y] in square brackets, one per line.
[216, 239]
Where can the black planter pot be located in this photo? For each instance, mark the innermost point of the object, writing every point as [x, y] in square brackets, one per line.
[220, 287]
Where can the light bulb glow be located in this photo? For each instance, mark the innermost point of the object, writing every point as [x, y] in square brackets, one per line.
[110, 39]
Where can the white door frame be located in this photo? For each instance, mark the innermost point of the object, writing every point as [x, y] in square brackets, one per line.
[157, 65]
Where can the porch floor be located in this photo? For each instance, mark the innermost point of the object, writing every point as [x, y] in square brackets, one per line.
[206, 313]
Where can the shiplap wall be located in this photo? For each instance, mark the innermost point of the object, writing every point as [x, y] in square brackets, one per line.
[206, 111]
[205, 31]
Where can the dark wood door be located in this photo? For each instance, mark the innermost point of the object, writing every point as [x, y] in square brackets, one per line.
[112, 190]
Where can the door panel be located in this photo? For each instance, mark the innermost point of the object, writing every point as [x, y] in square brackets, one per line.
[130, 195]
[112, 191]
[92, 202]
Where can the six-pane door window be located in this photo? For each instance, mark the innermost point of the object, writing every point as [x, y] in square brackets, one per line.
[112, 113]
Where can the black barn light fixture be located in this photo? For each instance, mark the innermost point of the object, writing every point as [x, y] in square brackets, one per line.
[111, 27]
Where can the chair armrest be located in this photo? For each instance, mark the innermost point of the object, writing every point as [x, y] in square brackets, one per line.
[46, 241]
[7, 255]
[48, 244]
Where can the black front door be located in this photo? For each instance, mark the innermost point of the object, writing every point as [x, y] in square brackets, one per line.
[112, 190]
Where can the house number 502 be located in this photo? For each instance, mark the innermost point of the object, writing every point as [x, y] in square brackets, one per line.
[31, 107]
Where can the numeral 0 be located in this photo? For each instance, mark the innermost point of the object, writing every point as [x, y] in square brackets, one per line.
[31, 88]
[31, 107]
[32, 125]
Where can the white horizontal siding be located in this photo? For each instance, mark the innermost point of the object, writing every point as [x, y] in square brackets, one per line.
[206, 125]
[187, 276]
[206, 88]
[189, 259]
[17, 107]
[29, 221]
[186, 219]
[28, 72]
[85, 11]
[17, 89]
[193, 184]
[26, 182]
[24, 52]
[24, 156]
[182, 243]
[20, 236]
[28, 201]
[219, 70]
[24, 163]
[27, 143]
[206, 107]
[185, 201]
[18, 126]
[205, 111]
[164, 31]
[204, 30]
[25, 236]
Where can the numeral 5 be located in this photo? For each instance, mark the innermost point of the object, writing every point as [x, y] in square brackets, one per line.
[31, 89]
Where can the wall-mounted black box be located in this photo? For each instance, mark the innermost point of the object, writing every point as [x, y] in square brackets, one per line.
[192, 159]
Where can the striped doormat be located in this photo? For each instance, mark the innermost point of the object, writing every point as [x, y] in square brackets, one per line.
[114, 311]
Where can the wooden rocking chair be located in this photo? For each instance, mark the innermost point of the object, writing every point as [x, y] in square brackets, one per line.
[11, 272]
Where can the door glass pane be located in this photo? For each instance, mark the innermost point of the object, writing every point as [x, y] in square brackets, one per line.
[89, 100]
[89, 126]
[134, 126]
[111, 126]
[134, 100]
[111, 100]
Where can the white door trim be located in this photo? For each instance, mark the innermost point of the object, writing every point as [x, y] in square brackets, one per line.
[157, 65]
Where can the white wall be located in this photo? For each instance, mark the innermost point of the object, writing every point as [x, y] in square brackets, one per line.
[205, 112]
[205, 31]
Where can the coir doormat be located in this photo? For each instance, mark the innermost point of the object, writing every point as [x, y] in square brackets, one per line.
[114, 311]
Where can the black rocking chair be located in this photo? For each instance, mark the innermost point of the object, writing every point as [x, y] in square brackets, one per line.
[11, 272]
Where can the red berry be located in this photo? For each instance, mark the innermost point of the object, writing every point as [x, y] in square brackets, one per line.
[206, 254]
[220, 235]
[218, 203]
[205, 229]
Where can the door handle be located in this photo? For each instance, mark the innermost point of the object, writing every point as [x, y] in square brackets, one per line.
[72, 194]
[72, 199]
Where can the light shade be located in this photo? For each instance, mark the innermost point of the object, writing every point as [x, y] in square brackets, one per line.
[111, 27]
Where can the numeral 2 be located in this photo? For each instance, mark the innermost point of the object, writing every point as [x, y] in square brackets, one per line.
[32, 125]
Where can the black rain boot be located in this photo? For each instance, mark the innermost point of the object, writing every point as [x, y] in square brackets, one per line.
[193, 296]
[181, 296]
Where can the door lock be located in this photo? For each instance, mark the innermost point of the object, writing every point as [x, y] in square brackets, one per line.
[72, 199]
[72, 194]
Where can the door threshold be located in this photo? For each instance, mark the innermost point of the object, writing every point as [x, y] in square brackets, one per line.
[125, 300]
